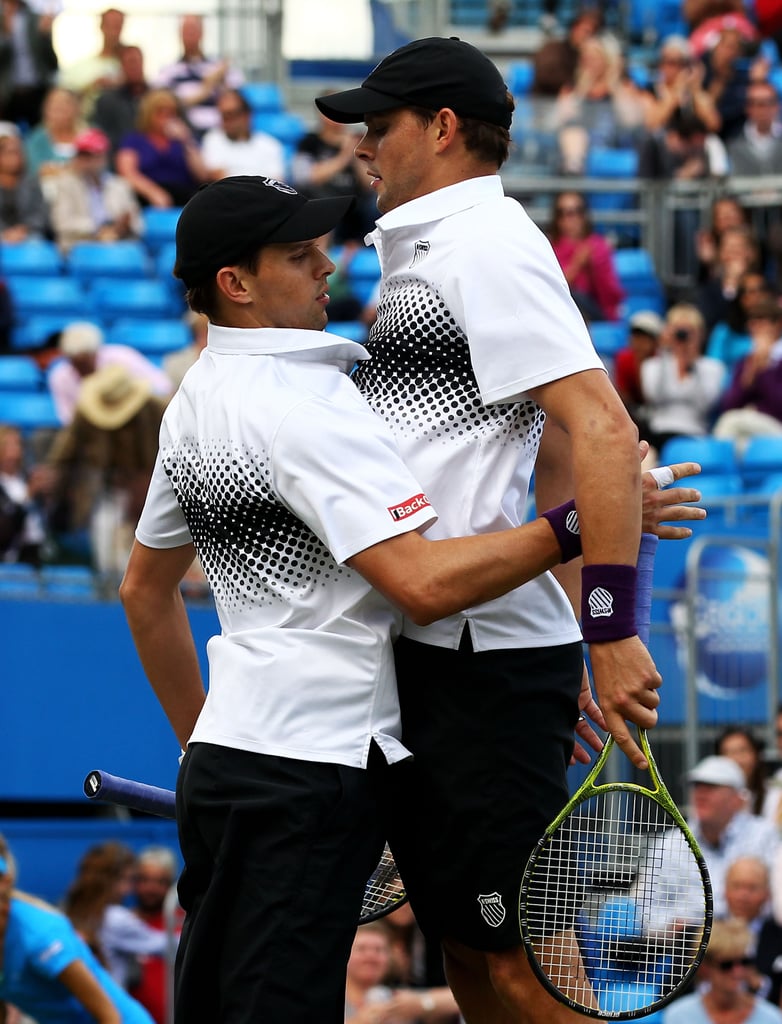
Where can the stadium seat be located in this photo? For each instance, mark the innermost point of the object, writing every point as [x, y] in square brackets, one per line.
[28, 410]
[608, 337]
[20, 373]
[69, 582]
[87, 260]
[521, 74]
[639, 278]
[55, 296]
[716, 456]
[286, 127]
[363, 273]
[39, 331]
[150, 337]
[159, 226]
[761, 458]
[37, 257]
[19, 582]
[620, 164]
[264, 97]
[150, 299]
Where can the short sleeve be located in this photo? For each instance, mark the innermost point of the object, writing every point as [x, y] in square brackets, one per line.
[162, 524]
[53, 945]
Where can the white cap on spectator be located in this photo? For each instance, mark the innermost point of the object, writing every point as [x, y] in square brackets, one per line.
[718, 771]
[648, 321]
[80, 338]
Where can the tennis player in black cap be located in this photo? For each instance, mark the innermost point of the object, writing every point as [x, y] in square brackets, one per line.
[477, 347]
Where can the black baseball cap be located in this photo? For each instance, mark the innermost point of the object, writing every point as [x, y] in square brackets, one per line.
[432, 73]
[228, 220]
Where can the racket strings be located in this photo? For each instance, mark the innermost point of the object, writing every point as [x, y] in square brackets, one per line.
[384, 890]
[615, 904]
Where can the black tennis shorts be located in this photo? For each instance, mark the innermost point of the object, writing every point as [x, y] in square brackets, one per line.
[492, 735]
[277, 853]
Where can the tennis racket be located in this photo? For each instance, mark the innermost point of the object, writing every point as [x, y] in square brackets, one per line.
[616, 904]
[384, 891]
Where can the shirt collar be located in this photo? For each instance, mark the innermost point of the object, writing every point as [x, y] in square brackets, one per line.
[308, 346]
[444, 202]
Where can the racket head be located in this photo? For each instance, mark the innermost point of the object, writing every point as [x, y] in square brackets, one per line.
[384, 890]
[603, 915]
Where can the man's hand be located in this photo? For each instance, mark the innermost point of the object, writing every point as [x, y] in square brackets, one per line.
[587, 705]
[662, 506]
[627, 682]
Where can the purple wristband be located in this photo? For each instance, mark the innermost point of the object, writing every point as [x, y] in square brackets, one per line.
[563, 520]
[607, 602]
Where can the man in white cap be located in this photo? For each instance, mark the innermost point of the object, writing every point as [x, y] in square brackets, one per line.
[81, 343]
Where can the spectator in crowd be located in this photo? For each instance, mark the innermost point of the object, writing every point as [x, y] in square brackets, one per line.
[645, 328]
[742, 746]
[725, 996]
[28, 63]
[772, 809]
[585, 257]
[86, 77]
[757, 149]
[748, 898]
[324, 165]
[23, 210]
[726, 80]
[708, 19]
[738, 253]
[116, 107]
[161, 160]
[684, 150]
[556, 60]
[752, 402]
[81, 346]
[156, 873]
[196, 80]
[369, 1000]
[22, 517]
[94, 905]
[726, 212]
[176, 364]
[102, 463]
[678, 86]
[234, 148]
[50, 145]
[730, 339]
[89, 202]
[48, 971]
[681, 387]
[603, 107]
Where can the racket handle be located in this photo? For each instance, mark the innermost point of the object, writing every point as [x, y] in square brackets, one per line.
[141, 797]
[645, 576]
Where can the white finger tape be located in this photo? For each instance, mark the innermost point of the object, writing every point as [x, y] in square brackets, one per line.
[663, 476]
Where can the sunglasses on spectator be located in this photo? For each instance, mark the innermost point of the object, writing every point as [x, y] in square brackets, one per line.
[570, 211]
[739, 961]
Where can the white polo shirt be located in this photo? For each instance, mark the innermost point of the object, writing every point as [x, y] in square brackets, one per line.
[473, 312]
[274, 465]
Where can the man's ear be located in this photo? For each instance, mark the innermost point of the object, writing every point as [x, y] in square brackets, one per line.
[230, 281]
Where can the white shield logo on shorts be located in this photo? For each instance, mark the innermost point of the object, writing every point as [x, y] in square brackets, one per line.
[492, 910]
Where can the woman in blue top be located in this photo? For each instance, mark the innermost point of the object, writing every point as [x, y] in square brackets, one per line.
[46, 970]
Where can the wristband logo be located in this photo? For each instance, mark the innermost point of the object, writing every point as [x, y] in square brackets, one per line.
[600, 603]
[571, 522]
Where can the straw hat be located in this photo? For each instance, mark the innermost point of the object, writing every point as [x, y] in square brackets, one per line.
[111, 397]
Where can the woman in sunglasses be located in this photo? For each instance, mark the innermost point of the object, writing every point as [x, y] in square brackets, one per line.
[728, 973]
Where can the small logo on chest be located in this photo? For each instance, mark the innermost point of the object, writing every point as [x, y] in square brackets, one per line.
[420, 250]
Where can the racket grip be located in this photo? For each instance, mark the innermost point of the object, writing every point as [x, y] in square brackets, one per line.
[644, 579]
[127, 793]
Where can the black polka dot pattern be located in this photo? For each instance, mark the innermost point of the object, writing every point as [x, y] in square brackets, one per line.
[421, 381]
[252, 549]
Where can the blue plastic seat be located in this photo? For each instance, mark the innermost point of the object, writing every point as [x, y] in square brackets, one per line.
[363, 273]
[608, 337]
[159, 226]
[87, 260]
[150, 337]
[19, 581]
[265, 97]
[20, 373]
[521, 74]
[69, 582]
[149, 299]
[37, 257]
[717, 456]
[287, 127]
[60, 296]
[39, 330]
[761, 458]
[28, 410]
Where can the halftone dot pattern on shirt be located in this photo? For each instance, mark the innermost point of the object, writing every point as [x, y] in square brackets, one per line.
[420, 378]
[253, 550]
